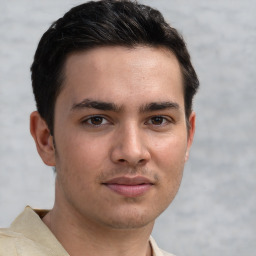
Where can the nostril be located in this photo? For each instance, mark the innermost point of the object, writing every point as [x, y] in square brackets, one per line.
[121, 160]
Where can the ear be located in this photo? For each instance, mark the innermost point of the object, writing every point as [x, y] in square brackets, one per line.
[43, 139]
[191, 132]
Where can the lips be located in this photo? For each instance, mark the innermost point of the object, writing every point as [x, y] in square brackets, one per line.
[129, 186]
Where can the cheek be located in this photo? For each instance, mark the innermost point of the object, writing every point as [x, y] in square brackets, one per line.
[78, 164]
[170, 159]
[82, 152]
[169, 152]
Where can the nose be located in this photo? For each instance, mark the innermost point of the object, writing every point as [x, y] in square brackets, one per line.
[130, 147]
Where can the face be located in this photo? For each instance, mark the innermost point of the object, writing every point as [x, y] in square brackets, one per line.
[120, 135]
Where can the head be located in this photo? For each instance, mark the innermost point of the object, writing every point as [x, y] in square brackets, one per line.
[97, 24]
[114, 86]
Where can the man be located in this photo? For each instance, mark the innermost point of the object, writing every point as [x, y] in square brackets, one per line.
[114, 84]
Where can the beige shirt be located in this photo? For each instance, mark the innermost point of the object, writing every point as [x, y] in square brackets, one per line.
[29, 236]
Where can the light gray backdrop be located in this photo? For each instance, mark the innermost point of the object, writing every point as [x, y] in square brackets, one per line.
[215, 210]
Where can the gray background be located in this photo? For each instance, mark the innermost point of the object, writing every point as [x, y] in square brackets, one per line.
[215, 210]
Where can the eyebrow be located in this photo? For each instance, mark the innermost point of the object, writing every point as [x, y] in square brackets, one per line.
[154, 106]
[101, 105]
[109, 106]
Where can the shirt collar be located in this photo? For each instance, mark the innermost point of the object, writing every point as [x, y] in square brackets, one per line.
[32, 227]
[30, 224]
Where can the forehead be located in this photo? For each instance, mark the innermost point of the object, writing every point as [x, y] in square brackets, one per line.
[111, 72]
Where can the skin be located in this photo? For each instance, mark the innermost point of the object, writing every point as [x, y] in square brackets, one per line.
[140, 133]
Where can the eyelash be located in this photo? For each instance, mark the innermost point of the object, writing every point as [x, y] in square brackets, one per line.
[86, 121]
[165, 121]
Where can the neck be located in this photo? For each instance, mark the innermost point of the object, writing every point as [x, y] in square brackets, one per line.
[79, 235]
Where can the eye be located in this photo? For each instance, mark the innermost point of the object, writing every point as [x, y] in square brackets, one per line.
[158, 121]
[95, 121]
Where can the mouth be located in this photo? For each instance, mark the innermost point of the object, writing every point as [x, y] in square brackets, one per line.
[129, 186]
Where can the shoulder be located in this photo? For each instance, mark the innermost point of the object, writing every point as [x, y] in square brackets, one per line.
[16, 244]
[7, 235]
[156, 250]
[7, 243]
[166, 253]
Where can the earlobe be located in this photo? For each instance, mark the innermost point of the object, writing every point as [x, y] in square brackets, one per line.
[191, 133]
[43, 139]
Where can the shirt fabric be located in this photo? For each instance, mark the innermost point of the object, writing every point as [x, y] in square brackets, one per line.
[29, 236]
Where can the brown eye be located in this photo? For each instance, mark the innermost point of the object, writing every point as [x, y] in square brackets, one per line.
[157, 120]
[96, 120]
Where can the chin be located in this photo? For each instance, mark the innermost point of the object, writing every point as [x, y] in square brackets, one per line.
[128, 224]
[130, 219]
